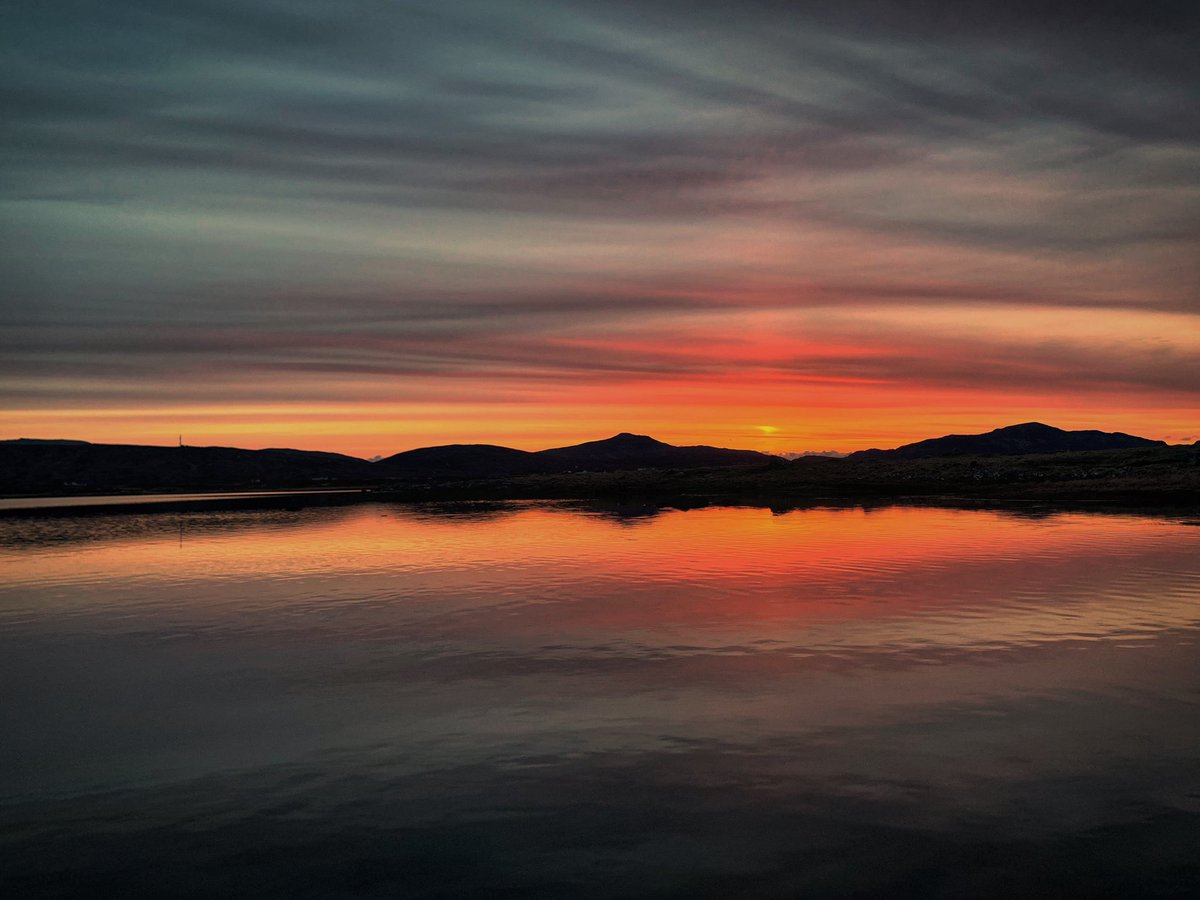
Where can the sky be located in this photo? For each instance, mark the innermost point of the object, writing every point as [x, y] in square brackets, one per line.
[366, 226]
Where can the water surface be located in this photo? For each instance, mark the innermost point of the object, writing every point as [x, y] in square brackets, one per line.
[552, 700]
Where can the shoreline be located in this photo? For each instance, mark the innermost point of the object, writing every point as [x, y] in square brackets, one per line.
[1172, 504]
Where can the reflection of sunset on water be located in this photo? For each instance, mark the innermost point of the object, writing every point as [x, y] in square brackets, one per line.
[895, 577]
[976, 675]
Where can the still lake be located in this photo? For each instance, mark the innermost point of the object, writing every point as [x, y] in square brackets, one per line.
[533, 699]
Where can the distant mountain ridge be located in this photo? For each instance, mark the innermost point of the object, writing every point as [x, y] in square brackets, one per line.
[625, 450]
[33, 466]
[621, 451]
[1012, 440]
[30, 465]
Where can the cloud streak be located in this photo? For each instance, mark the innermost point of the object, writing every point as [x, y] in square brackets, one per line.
[406, 198]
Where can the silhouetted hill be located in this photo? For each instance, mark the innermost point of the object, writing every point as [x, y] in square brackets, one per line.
[460, 461]
[1154, 475]
[56, 467]
[1028, 461]
[639, 451]
[31, 466]
[1014, 440]
[620, 452]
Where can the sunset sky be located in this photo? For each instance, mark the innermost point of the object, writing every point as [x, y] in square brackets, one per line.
[366, 226]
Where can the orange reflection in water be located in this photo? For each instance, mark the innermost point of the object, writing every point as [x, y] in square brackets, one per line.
[713, 577]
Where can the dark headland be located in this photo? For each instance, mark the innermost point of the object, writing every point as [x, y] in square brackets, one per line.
[1030, 461]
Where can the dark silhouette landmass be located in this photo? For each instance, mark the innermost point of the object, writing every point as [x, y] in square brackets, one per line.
[638, 451]
[620, 452]
[460, 461]
[62, 467]
[1021, 462]
[1013, 440]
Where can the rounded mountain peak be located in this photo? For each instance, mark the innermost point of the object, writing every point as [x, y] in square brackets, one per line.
[1029, 428]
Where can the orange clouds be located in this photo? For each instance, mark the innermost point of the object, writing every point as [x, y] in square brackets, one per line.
[689, 227]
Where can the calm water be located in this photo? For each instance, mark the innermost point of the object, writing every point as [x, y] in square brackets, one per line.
[549, 700]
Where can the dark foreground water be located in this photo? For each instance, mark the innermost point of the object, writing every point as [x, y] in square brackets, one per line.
[546, 700]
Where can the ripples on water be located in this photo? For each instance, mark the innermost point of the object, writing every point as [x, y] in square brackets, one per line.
[547, 700]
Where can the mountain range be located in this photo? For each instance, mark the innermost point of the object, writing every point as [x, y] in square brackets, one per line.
[56, 466]
[30, 466]
[1013, 440]
[622, 451]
